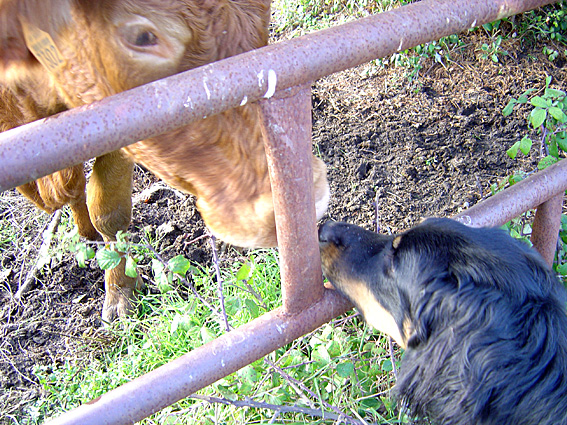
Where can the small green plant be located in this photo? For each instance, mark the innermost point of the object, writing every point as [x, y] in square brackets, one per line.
[492, 51]
[548, 118]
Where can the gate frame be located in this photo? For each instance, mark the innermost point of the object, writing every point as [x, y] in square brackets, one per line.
[95, 129]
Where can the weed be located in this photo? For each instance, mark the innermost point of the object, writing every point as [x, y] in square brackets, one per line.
[548, 117]
[550, 120]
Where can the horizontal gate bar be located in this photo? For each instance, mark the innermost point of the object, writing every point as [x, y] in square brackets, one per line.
[510, 203]
[189, 373]
[45, 146]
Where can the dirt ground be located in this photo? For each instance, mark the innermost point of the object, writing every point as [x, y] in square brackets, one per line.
[427, 148]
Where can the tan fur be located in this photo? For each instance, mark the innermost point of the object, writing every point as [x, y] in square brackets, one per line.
[220, 159]
[374, 313]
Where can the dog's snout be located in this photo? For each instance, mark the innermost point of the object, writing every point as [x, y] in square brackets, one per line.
[330, 232]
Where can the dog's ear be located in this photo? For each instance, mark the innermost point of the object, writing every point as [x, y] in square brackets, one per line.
[388, 256]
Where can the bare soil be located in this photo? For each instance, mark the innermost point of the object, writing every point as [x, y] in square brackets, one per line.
[395, 150]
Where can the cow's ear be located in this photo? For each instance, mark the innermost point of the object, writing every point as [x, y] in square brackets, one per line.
[13, 49]
[44, 16]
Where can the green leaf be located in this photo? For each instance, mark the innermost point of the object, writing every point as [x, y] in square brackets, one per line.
[537, 117]
[554, 93]
[181, 322]
[345, 370]
[252, 307]
[509, 107]
[557, 113]
[207, 335]
[562, 269]
[526, 145]
[561, 139]
[163, 279]
[513, 151]
[322, 355]
[387, 366]
[131, 267]
[107, 258]
[334, 348]
[249, 374]
[83, 253]
[553, 150]
[370, 403]
[122, 243]
[226, 393]
[516, 177]
[179, 265]
[539, 102]
[546, 162]
[243, 272]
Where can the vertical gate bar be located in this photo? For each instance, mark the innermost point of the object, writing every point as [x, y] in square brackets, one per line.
[545, 228]
[287, 138]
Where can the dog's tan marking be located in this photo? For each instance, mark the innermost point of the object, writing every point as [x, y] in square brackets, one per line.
[374, 313]
[396, 242]
[407, 329]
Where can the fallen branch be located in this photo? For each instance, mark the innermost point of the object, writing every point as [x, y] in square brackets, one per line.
[299, 386]
[279, 408]
[42, 255]
[219, 282]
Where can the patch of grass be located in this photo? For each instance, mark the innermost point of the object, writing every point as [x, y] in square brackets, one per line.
[341, 367]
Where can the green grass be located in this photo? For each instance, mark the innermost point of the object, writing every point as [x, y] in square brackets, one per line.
[342, 366]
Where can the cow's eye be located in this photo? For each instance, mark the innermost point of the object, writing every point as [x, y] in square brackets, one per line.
[140, 36]
[146, 38]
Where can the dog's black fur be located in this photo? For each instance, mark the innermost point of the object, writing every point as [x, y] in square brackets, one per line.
[481, 316]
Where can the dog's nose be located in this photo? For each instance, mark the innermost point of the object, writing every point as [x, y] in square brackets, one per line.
[330, 232]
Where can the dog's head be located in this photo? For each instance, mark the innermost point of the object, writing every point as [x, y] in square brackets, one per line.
[392, 279]
[480, 314]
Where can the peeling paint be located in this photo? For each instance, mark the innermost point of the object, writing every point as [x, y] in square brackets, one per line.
[272, 81]
[188, 103]
[206, 89]
[260, 76]
[465, 219]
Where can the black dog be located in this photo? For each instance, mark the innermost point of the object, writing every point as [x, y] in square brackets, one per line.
[481, 316]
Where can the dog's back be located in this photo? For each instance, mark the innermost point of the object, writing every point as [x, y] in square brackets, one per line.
[481, 315]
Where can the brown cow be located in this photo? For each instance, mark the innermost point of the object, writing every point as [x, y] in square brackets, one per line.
[59, 54]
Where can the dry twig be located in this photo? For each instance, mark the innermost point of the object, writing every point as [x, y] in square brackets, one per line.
[41, 256]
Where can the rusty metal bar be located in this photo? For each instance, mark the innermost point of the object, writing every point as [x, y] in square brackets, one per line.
[287, 131]
[545, 228]
[43, 147]
[544, 190]
[181, 377]
[510, 203]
